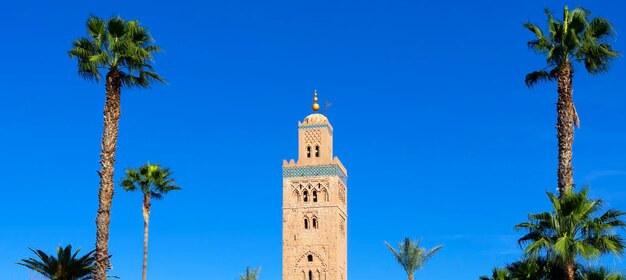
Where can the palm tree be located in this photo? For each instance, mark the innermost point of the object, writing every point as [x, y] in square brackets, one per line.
[600, 274]
[123, 49]
[251, 274]
[498, 274]
[65, 266]
[573, 229]
[153, 181]
[535, 268]
[410, 256]
[576, 38]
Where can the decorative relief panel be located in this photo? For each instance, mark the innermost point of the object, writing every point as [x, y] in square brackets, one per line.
[313, 136]
[342, 193]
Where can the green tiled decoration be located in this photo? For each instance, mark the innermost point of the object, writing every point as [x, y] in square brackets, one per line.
[314, 171]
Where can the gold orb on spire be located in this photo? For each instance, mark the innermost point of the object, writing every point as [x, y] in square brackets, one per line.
[316, 106]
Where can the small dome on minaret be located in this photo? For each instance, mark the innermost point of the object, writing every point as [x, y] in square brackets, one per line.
[315, 118]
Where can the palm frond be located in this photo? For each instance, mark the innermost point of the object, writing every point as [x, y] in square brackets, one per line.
[538, 76]
[598, 29]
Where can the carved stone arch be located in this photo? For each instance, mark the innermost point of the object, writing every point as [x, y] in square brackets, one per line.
[295, 195]
[296, 188]
[303, 259]
[314, 221]
[317, 151]
[323, 194]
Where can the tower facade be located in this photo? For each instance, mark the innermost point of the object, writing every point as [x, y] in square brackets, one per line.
[315, 200]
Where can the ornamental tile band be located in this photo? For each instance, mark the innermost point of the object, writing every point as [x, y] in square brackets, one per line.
[315, 126]
[314, 171]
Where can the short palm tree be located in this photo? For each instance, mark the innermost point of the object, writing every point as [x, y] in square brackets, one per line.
[600, 274]
[65, 266]
[251, 274]
[575, 38]
[153, 181]
[498, 274]
[535, 268]
[574, 229]
[123, 50]
[410, 256]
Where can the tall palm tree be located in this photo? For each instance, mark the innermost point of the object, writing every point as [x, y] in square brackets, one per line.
[123, 50]
[410, 256]
[575, 38]
[153, 181]
[65, 266]
[498, 274]
[251, 274]
[574, 229]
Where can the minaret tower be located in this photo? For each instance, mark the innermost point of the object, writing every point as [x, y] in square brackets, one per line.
[315, 212]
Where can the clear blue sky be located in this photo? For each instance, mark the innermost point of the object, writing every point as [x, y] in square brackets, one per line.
[441, 138]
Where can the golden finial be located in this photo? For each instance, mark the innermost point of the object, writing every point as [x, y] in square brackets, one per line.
[316, 106]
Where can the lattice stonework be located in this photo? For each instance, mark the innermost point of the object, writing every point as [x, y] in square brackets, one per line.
[314, 171]
[312, 136]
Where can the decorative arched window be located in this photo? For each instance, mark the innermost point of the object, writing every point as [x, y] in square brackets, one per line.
[314, 196]
[306, 223]
[314, 223]
[308, 151]
[317, 151]
[306, 196]
[310, 275]
[309, 258]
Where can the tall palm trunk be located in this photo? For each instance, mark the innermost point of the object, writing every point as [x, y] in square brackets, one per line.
[410, 276]
[107, 161]
[565, 127]
[146, 223]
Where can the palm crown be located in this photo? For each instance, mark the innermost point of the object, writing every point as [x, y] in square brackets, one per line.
[116, 45]
[150, 179]
[251, 274]
[575, 38]
[573, 229]
[410, 256]
[65, 266]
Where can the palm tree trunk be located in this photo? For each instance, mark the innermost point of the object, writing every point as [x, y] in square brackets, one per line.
[565, 127]
[107, 161]
[570, 271]
[146, 222]
[410, 276]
